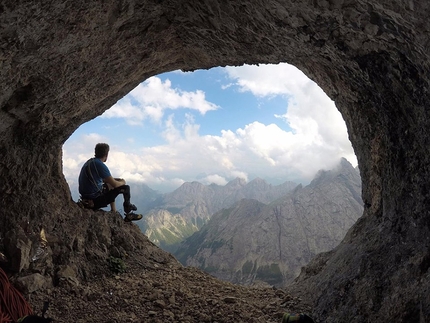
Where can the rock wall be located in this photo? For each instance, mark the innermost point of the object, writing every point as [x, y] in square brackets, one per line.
[65, 62]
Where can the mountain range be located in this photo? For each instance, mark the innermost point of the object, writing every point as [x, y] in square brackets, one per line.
[177, 215]
[252, 242]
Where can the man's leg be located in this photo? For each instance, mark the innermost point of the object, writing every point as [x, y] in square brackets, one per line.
[108, 188]
[128, 207]
[125, 191]
[113, 206]
[100, 202]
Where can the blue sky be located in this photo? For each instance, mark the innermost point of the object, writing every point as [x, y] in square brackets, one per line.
[267, 121]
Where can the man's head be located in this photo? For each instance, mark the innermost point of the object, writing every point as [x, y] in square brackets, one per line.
[101, 151]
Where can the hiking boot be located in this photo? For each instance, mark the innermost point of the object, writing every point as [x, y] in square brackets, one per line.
[132, 217]
[86, 203]
[129, 207]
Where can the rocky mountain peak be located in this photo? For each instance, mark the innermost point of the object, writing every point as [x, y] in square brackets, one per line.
[187, 192]
[191, 187]
[258, 181]
[343, 169]
[237, 182]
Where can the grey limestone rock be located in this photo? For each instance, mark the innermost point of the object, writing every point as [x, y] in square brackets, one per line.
[183, 211]
[252, 242]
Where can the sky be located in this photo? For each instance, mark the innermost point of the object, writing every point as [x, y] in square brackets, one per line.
[211, 126]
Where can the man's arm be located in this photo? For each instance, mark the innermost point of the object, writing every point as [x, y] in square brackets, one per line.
[114, 182]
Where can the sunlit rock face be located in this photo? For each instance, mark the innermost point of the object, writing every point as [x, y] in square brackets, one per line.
[64, 63]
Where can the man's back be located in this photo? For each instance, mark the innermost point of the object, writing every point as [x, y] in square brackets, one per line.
[91, 178]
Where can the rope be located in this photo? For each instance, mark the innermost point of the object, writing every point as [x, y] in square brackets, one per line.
[12, 303]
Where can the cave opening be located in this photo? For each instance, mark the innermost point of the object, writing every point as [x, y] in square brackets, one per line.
[212, 126]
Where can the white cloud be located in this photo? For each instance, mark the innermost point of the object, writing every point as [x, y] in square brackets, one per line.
[213, 179]
[151, 99]
[266, 80]
[319, 130]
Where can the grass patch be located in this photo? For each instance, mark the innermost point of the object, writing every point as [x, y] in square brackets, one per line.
[117, 265]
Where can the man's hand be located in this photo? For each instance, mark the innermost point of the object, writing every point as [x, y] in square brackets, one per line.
[114, 182]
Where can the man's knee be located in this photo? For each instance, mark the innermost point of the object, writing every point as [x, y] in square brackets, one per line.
[123, 189]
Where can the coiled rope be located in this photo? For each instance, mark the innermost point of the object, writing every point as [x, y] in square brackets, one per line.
[12, 304]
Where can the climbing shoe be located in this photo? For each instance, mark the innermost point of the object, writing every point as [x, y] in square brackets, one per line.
[85, 204]
[129, 207]
[132, 217]
[301, 318]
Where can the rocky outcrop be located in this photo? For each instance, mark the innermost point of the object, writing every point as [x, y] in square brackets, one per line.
[252, 242]
[64, 63]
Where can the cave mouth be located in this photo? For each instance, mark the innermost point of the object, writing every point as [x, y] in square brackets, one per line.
[273, 106]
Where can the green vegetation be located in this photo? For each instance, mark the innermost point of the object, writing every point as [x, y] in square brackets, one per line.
[270, 274]
[173, 235]
[198, 222]
[167, 236]
[191, 246]
[186, 230]
[117, 265]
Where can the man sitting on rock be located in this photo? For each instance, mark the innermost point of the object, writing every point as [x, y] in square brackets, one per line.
[98, 188]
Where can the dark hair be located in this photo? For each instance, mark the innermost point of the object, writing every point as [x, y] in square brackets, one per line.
[101, 150]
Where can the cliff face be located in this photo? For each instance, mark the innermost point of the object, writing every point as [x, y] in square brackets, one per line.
[252, 242]
[64, 63]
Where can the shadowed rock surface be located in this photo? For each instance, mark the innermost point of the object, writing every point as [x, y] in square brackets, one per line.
[63, 63]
